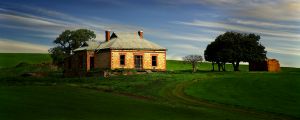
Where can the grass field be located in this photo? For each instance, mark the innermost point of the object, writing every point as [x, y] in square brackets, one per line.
[12, 59]
[176, 94]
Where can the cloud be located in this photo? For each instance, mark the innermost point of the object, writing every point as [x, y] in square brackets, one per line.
[264, 24]
[171, 56]
[284, 10]
[203, 2]
[280, 10]
[232, 27]
[284, 50]
[190, 37]
[12, 46]
[184, 47]
[28, 21]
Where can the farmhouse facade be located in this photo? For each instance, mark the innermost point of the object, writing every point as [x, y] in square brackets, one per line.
[119, 51]
[271, 65]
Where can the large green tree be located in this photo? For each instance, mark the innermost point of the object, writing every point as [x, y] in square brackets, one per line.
[68, 41]
[234, 47]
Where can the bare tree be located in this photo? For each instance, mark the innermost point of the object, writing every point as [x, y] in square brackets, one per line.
[193, 60]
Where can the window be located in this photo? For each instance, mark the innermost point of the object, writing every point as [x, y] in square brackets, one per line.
[154, 60]
[122, 59]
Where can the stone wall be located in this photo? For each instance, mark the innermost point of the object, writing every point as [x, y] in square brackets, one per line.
[74, 65]
[147, 57]
[273, 65]
[102, 60]
[79, 63]
[88, 55]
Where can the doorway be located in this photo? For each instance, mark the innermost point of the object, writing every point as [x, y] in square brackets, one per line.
[138, 61]
[92, 63]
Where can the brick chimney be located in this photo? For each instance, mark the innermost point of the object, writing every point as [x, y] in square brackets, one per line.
[107, 35]
[141, 34]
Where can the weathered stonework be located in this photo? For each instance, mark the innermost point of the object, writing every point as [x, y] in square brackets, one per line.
[102, 59]
[273, 65]
[147, 59]
[93, 56]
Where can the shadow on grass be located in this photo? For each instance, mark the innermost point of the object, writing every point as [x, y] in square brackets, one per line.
[189, 71]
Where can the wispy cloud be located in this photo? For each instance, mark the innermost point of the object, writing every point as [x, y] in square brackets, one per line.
[232, 27]
[12, 46]
[184, 47]
[286, 10]
[264, 24]
[27, 20]
[191, 37]
[285, 51]
[46, 27]
[171, 56]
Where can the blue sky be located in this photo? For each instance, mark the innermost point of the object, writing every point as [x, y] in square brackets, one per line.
[182, 26]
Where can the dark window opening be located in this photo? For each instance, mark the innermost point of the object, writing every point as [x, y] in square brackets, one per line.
[83, 63]
[92, 63]
[122, 59]
[154, 60]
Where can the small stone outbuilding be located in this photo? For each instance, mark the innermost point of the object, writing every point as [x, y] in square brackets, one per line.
[119, 51]
[271, 65]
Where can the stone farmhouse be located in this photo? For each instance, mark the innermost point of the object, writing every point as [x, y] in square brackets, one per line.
[119, 51]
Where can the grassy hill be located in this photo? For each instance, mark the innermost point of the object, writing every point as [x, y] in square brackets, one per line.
[12, 59]
[175, 94]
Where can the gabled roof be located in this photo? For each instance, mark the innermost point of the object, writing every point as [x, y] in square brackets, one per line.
[123, 41]
[89, 45]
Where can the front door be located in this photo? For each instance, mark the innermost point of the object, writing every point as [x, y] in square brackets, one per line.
[138, 62]
[92, 63]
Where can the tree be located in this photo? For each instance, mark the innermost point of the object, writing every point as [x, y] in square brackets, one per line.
[217, 54]
[234, 48]
[68, 41]
[193, 60]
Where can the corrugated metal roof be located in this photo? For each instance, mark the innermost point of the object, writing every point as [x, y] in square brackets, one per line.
[89, 45]
[123, 41]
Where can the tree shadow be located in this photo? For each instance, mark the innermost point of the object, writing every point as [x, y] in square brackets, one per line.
[188, 71]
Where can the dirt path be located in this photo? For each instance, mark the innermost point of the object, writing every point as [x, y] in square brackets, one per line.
[175, 93]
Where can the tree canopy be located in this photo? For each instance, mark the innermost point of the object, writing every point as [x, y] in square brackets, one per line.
[68, 41]
[234, 47]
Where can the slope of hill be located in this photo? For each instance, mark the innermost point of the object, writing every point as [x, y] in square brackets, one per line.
[175, 94]
[12, 59]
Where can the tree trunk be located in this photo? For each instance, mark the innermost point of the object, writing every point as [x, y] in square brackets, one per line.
[194, 68]
[233, 65]
[236, 66]
[219, 66]
[224, 66]
[213, 66]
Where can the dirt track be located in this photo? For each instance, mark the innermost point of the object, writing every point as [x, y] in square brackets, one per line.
[175, 94]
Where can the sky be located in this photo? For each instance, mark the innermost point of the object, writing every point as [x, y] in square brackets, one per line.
[184, 27]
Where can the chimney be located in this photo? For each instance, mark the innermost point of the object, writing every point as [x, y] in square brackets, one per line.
[107, 35]
[141, 34]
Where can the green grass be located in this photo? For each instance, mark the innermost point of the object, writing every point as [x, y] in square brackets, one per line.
[274, 92]
[73, 103]
[175, 94]
[12, 59]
